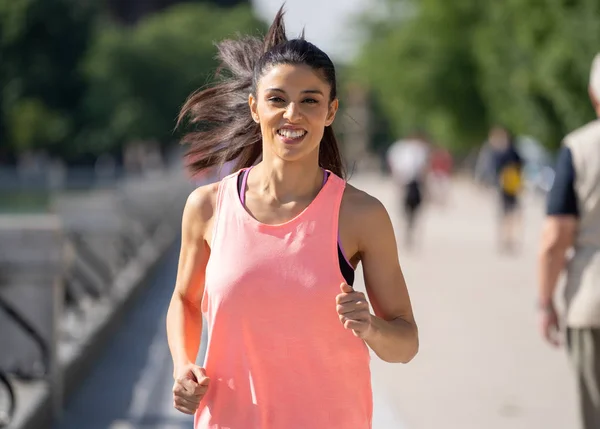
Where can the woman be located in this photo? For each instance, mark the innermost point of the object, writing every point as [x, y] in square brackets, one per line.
[268, 254]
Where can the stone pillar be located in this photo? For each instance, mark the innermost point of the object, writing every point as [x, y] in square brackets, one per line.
[33, 259]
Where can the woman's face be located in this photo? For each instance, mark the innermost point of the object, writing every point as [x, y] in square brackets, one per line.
[292, 107]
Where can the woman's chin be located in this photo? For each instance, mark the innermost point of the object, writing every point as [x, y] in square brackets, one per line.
[293, 153]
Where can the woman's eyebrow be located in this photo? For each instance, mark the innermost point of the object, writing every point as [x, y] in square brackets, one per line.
[306, 91]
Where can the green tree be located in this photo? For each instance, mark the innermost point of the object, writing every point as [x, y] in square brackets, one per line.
[33, 125]
[41, 42]
[455, 68]
[422, 72]
[534, 60]
[140, 76]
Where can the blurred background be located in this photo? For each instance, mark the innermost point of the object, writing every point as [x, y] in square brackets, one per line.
[92, 187]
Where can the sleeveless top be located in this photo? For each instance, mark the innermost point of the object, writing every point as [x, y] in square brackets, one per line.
[278, 356]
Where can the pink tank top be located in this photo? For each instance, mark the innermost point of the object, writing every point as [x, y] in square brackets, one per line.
[277, 355]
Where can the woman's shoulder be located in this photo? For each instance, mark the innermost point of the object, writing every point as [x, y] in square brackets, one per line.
[202, 201]
[362, 207]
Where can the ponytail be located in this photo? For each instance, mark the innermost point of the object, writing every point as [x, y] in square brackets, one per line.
[330, 157]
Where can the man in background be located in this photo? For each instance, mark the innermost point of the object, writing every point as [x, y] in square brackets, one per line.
[573, 222]
[408, 160]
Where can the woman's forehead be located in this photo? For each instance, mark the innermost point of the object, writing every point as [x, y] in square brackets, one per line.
[292, 76]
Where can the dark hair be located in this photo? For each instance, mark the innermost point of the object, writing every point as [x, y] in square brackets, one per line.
[225, 128]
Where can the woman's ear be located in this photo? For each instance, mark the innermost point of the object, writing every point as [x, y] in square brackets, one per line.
[333, 108]
[253, 108]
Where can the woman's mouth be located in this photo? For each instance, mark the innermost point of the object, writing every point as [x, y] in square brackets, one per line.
[289, 136]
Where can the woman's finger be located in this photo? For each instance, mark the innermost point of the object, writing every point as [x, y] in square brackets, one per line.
[356, 325]
[349, 297]
[358, 317]
[184, 410]
[352, 307]
[187, 401]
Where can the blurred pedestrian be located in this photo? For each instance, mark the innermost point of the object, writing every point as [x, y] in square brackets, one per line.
[440, 168]
[408, 160]
[573, 223]
[507, 167]
[268, 254]
[483, 171]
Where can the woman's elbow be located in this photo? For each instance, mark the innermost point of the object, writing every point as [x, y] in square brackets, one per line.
[412, 349]
[409, 347]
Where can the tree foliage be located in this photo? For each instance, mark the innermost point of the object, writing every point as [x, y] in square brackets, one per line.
[41, 43]
[75, 84]
[139, 77]
[455, 68]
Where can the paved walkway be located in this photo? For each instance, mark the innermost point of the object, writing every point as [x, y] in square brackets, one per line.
[481, 363]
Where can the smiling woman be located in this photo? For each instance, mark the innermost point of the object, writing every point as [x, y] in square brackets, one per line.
[296, 108]
[268, 254]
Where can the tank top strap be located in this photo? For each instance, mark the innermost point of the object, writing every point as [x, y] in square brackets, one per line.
[327, 206]
[222, 200]
[245, 173]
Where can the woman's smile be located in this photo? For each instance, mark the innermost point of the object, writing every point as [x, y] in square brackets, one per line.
[291, 135]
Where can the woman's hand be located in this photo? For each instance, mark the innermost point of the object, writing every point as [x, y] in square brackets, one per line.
[354, 312]
[191, 384]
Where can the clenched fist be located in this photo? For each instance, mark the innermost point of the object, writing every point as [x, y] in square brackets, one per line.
[191, 384]
[353, 310]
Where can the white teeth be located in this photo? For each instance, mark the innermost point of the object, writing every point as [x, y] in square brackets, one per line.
[291, 134]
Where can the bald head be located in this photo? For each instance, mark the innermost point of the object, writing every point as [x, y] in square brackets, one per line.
[595, 80]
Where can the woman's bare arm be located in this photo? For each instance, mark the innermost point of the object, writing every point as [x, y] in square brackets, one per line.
[184, 317]
[392, 331]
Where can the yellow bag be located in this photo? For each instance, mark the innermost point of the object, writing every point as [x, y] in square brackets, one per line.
[510, 179]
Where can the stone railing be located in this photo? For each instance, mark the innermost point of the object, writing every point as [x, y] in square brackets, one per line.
[65, 278]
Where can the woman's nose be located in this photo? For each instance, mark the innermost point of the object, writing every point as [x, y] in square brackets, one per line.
[292, 112]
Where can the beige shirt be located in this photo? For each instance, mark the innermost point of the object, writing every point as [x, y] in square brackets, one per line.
[582, 287]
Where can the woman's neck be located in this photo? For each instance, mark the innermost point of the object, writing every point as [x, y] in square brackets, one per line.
[287, 181]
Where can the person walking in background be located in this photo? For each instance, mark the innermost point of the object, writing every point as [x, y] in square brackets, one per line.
[408, 160]
[573, 222]
[268, 254]
[441, 166]
[507, 166]
[483, 171]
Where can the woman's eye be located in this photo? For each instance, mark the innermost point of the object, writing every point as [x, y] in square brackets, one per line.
[310, 101]
[276, 100]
